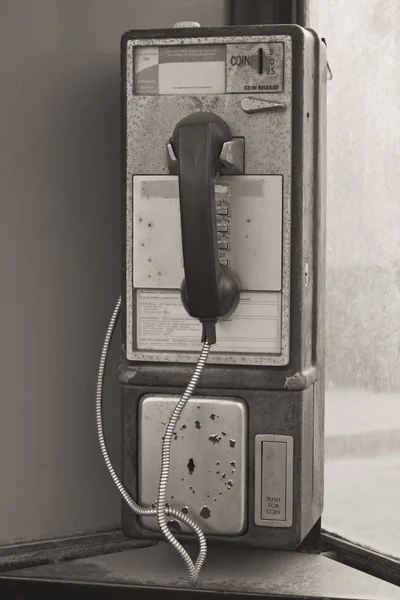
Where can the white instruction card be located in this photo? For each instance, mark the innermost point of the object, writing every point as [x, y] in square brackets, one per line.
[190, 69]
[254, 328]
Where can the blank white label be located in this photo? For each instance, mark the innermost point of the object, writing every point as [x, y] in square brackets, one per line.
[163, 324]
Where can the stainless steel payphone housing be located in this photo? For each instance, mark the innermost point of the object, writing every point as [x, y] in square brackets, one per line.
[247, 455]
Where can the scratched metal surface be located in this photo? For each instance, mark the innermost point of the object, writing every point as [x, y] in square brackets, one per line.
[150, 122]
[209, 457]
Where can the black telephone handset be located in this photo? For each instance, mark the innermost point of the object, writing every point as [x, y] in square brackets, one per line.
[209, 290]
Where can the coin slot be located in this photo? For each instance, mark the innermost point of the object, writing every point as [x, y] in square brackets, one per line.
[260, 61]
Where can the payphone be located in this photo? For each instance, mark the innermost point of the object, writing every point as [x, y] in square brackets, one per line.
[223, 286]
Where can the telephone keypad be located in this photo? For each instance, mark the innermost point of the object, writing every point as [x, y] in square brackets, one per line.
[223, 227]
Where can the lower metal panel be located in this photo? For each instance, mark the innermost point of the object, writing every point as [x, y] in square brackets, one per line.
[208, 461]
[285, 413]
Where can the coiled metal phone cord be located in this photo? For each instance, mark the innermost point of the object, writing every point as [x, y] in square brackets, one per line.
[161, 511]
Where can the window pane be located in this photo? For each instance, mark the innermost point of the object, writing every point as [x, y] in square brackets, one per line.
[362, 473]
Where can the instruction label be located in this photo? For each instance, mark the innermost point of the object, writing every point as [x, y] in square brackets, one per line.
[254, 327]
[255, 68]
[194, 69]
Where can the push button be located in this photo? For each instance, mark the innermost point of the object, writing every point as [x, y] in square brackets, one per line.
[223, 246]
[273, 483]
[273, 480]
[223, 211]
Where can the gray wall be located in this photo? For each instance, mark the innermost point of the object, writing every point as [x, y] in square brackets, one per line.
[59, 252]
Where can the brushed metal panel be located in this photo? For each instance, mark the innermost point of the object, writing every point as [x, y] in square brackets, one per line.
[208, 461]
